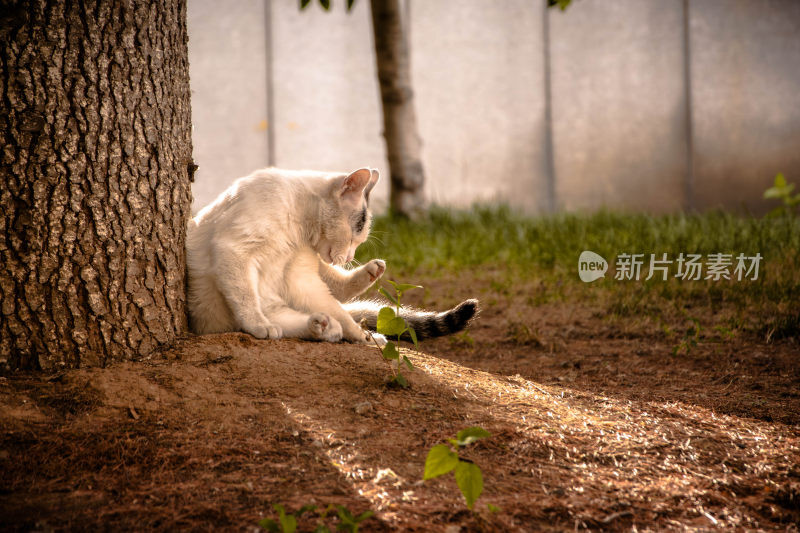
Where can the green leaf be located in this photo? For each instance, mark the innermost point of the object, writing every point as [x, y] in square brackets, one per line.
[470, 435]
[350, 522]
[493, 508]
[397, 326]
[344, 514]
[390, 324]
[350, 4]
[390, 351]
[270, 525]
[288, 523]
[407, 361]
[304, 4]
[441, 460]
[413, 336]
[304, 509]
[779, 192]
[562, 4]
[403, 287]
[470, 481]
[780, 189]
[322, 528]
[389, 297]
[385, 315]
[326, 4]
[401, 380]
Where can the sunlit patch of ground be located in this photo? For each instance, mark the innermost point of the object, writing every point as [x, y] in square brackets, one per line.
[208, 435]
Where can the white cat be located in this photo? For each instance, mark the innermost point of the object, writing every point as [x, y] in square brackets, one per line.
[266, 258]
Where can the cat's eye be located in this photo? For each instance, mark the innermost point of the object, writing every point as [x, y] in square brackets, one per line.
[361, 221]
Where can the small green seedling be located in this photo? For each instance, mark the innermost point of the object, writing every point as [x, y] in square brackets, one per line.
[286, 523]
[444, 458]
[391, 324]
[690, 339]
[781, 190]
[348, 522]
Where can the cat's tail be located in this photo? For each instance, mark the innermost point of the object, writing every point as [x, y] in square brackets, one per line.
[426, 324]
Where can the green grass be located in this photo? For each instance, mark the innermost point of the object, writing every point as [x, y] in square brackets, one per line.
[453, 240]
[546, 248]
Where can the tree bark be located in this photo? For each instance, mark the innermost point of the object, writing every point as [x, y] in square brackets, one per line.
[95, 133]
[407, 195]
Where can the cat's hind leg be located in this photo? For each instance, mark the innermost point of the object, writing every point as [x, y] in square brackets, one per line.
[314, 326]
[237, 279]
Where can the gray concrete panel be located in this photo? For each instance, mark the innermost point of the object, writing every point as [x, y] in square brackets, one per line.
[746, 99]
[478, 73]
[227, 68]
[327, 101]
[619, 106]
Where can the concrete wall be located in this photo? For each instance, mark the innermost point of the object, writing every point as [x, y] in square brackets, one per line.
[228, 71]
[478, 72]
[745, 71]
[326, 96]
[619, 105]
[653, 105]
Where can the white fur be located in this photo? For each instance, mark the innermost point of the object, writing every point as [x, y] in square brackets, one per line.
[255, 256]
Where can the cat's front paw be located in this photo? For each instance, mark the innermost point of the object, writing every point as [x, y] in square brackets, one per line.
[378, 338]
[325, 328]
[375, 269]
[265, 331]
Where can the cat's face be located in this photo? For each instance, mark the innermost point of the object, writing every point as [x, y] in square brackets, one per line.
[346, 218]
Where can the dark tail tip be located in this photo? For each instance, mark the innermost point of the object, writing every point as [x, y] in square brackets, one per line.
[455, 319]
[465, 312]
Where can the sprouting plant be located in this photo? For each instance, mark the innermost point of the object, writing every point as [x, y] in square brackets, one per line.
[444, 458]
[782, 191]
[462, 339]
[287, 523]
[690, 339]
[725, 333]
[349, 522]
[391, 324]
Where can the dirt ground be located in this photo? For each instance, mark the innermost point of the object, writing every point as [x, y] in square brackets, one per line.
[595, 425]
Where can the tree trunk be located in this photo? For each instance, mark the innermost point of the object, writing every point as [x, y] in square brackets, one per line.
[407, 195]
[95, 133]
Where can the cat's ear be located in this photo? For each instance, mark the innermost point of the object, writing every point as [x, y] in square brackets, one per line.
[351, 188]
[374, 177]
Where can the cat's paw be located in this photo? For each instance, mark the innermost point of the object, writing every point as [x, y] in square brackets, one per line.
[324, 327]
[378, 338]
[265, 331]
[375, 269]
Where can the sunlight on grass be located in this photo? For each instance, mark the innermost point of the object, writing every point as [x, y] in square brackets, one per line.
[453, 239]
[546, 248]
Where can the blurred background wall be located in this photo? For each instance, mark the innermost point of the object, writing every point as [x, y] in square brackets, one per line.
[653, 105]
